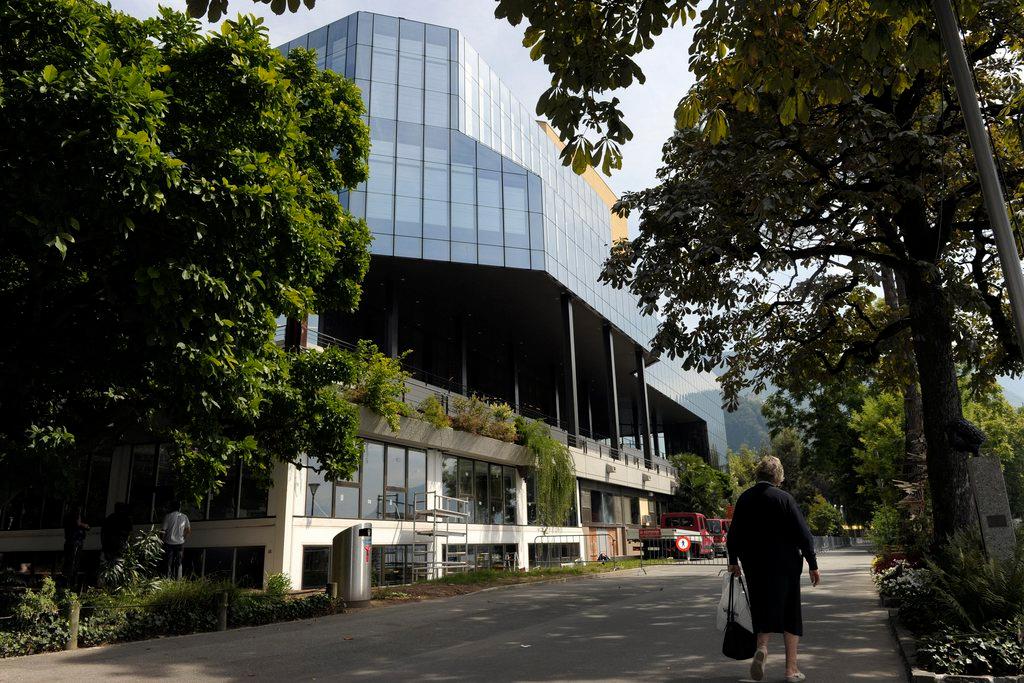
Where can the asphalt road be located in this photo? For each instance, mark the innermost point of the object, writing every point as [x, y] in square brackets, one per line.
[621, 626]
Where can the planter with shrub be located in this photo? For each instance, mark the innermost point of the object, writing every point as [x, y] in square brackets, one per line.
[964, 610]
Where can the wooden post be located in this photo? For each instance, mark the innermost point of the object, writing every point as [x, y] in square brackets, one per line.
[222, 612]
[73, 614]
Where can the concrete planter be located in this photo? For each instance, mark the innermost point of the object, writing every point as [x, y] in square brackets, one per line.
[908, 652]
[419, 433]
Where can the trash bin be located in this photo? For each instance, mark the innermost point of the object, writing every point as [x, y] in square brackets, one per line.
[350, 564]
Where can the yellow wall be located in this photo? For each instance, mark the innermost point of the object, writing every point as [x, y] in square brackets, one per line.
[594, 179]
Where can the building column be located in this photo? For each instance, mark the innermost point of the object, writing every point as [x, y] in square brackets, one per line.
[612, 387]
[644, 427]
[280, 553]
[295, 333]
[514, 357]
[572, 415]
[654, 432]
[558, 400]
[391, 338]
[463, 333]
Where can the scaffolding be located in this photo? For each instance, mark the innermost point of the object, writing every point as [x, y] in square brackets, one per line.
[438, 517]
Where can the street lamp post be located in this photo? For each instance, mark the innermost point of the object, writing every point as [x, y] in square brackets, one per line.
[991, 188]
[312, 497]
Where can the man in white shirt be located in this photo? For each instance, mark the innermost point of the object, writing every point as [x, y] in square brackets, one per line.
[175, 530]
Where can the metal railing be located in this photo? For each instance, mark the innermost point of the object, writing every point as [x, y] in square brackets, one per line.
[447, 388]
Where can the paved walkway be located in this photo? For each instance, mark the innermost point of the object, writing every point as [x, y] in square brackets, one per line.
[622, 626]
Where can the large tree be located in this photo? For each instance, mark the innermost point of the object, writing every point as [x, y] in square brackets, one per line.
[821, 144]
[167, 194]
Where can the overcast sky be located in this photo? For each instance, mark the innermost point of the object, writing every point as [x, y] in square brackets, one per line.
[648, 108]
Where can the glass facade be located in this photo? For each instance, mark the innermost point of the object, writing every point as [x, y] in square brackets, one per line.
[384, 486]
[152, 491]
[491, 489]
[460, 171]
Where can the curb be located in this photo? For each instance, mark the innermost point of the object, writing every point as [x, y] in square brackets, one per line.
[907, 648]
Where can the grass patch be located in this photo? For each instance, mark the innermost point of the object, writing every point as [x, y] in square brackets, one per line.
[499, 577]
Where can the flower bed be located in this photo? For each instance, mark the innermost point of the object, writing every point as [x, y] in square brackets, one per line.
[964, 613]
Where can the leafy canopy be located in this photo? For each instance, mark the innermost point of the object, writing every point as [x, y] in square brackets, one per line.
[168, 193]
[702, 488]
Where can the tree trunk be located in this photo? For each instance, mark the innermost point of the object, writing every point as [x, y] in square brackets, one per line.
[914, 472]
[931, 315]
[895, 292]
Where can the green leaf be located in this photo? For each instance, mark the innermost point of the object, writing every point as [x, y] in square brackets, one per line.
[787, 112]
[49, 73]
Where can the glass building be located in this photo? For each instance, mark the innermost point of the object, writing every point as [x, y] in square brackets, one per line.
[461, 173]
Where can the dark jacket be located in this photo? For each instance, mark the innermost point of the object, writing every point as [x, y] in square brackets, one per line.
[768, 531]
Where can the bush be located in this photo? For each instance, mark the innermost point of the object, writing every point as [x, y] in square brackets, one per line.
[255, 610]
[278, 585]
[477, 417]
[432, 412]
[138, 562]
[886, 531]
[996, 650]
[169, 608]
[823, 518]
[976, 590]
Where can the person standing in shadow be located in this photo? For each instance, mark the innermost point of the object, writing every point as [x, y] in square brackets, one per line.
[75, 530]
[117, 529]
[176, 529]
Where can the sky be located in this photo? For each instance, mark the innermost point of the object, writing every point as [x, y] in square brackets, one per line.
[648, 108]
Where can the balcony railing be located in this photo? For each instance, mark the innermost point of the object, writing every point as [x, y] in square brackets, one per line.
[424, 383]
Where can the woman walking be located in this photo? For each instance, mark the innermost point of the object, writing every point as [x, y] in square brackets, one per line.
[770, 539]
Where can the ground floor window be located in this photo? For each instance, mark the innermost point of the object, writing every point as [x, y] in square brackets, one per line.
[553, 554]
[503, 556]
[241, 565]
[391, 565]
[316, 565]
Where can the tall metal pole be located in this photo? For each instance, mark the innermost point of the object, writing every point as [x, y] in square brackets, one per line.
[991, 188]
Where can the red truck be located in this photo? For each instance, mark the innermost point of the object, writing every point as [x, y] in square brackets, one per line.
[692, 525]
[719, 528]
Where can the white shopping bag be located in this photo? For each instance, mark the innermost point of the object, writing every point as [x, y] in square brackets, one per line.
[740, 606]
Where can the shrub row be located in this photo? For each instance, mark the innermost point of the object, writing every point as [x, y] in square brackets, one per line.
[177, 608]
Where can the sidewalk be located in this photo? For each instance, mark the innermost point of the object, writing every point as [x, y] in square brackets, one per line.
[846, 633]
[622, 626]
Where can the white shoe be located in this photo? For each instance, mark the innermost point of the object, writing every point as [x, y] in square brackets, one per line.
[796, 678]
[757, 666]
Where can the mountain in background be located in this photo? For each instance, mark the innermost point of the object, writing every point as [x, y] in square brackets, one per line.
[745, 426]
[1013, 390]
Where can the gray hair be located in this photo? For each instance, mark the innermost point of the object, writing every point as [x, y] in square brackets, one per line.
[770, 469]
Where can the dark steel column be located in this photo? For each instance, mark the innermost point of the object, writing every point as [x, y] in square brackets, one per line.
[654, 432]
[612, 387]
[572, 415]
[515, 375]
[391, 339]
[463, 333]
[645, 411]
[295, 334]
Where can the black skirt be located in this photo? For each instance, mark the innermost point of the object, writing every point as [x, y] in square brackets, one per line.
[774, 600]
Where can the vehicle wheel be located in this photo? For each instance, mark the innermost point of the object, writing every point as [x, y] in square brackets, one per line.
[694, 553]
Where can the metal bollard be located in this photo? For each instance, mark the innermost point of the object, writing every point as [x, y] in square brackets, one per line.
[73, 613]
[222, 612]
